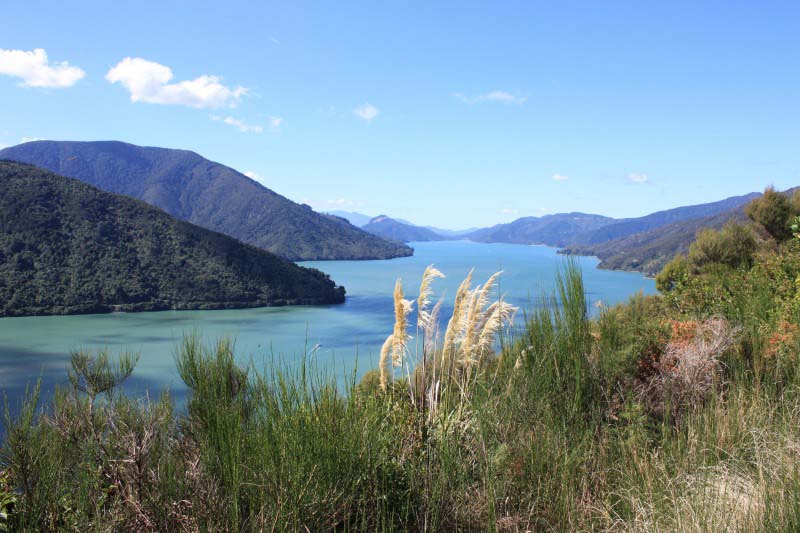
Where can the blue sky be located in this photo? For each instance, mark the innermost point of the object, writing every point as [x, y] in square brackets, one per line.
[454, 114]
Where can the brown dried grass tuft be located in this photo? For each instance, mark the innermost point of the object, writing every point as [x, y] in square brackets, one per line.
[688, 368]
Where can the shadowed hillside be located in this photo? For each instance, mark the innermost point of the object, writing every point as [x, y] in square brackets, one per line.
[67, 247]
[649, 251]
[208, 194]
[630, 226]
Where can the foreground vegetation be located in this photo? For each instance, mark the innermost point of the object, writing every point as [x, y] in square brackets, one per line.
[676, 412]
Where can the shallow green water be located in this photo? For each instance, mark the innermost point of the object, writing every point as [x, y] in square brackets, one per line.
[347, 334]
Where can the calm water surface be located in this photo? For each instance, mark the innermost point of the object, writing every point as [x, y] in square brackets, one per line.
[349, 335]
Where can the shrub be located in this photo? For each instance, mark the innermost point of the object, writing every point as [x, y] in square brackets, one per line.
[733, 246]
[688, 369]
[773, 211]
[673, 273]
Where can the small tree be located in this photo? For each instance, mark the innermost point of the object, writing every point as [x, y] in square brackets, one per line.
[774, 212]
[673, 273]
[733, 246]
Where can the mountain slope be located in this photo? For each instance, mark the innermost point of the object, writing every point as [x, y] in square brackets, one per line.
[393, 229]
[552, 230]
[208, 194]
[649, 251]
[630, 226]
[67, 247]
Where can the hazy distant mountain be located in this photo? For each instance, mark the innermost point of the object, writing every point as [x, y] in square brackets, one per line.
[455, 234]
[442, 232]
[630, 226]
[208, 194]
[356, 219]
[393, 229]
[552, 230]
[67, 247]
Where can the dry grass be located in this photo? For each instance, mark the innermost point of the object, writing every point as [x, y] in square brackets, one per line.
[689, 367]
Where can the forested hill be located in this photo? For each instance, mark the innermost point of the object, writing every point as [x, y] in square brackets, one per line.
[67, 247]
[649, 251]
[208, 194]
[625, 227]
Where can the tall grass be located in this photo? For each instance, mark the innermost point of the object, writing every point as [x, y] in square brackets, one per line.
[573, 424]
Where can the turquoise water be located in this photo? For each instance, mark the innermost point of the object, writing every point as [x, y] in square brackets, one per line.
[348, 335]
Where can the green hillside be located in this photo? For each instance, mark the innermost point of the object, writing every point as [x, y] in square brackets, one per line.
[67, 247]
[207, 194]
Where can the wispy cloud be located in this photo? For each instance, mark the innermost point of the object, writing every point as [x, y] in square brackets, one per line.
[503, 97]
[22, 140]
[366, 111]
[559, 177]
[638, 177]
[148, 81]
[35, 70]
[341, 202]
[336, 203]
[275, 123]
[509, 211]
[256, 177]
[241, 125]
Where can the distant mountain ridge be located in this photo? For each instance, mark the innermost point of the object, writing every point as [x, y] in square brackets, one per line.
[361, 220]
[648, 251]
[208, 194]
[67, 247]
[393, 229]
[357, 219]
[630, 226]
[551, 230]
[642, 244]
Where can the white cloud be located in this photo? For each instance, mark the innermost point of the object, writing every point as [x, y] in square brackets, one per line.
[509, 211]
[341, 202]
[337, 203]
[29, 139]
[242, 126]
[275, 123]
[35, 69]
[494, 96]
[638, 177]
[255, 176]
[559, 177]
[148, 81]
[366, 111]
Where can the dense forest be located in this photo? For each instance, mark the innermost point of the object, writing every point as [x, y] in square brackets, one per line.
[676, 412]
[210, 195]
[67, 247]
